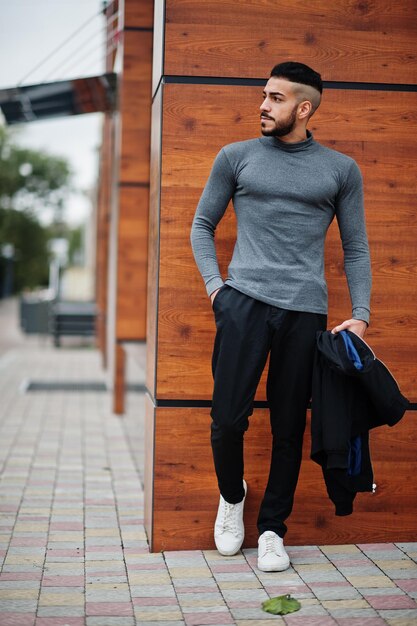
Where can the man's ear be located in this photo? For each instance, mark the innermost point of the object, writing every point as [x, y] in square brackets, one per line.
[304, 109]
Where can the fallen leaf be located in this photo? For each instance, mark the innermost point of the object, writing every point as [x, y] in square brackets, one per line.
[281, 605]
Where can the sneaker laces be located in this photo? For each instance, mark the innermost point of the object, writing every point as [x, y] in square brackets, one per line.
[271, 545]
[229, 518]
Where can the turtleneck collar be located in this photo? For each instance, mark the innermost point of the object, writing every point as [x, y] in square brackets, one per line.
[274, 142]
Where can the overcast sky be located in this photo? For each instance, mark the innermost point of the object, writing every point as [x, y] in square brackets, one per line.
[30, 31]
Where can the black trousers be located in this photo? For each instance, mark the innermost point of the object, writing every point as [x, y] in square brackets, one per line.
[247, 331]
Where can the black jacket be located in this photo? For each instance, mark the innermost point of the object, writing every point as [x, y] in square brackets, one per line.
[352, 392]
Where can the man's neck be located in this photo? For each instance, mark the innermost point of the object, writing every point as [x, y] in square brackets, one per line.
[294, 136]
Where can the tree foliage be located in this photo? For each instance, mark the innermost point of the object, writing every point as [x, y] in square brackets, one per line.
[30, 241]
[30, 176]
[31, 182]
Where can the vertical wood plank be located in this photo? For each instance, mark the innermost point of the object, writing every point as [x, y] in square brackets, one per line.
[153, 244]
[149, 470]
[119, 380]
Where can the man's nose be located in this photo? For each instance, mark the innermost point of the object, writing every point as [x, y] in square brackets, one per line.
[265, 106]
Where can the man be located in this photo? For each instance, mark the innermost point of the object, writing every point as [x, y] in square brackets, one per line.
[286, 189]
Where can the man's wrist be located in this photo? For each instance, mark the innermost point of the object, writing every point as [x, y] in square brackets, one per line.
[361, 314]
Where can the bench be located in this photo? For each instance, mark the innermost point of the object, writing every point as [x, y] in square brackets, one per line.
[72, 319]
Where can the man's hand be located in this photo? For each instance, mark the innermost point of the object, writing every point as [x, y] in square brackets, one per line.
[213, 295]
[355, 326]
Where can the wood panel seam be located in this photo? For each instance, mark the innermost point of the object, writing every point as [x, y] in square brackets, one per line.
[254, 82]
[147, 29]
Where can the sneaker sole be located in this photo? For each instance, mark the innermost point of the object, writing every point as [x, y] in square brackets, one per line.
[280, 568]
[229, 552]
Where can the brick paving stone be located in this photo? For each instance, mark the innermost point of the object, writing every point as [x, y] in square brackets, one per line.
[316, 567]
[110, 621]
[205, 608]
[17, 619]
[408, 585]
[60, 621]
[26, 541]
[243, 604]
[332, 605]
[231, 584]
[279, 590]
[96, 566]
[410, 546]
[244, 594]
[385, 555]
[251, 613]
[158, 577]
[62, 581]
[160, 623]
[346, 592]
[120, 582]
[260, 622]
[209, 585]
[401, 574]
[190, 572]
[360, 570]
[372, 547]
[341, 549]
[152, 591]
[361, 621]
[109, 608]
[21, 584]
[392, 602]
[403, 563]
[106, 577]
[61, 598]
[218, 619]
[60, 611]
[282, 578]
[158, 615]
[64, 569]
[219, 568]
[324, 576]
[308, 560]
[203, 605]
[299, 620]
[19, 576]
[397, 613]
[341, 561]
[20, 606]
[353, 613]
[370, 581]
[138, 567]
[243, 576]
[155, 601]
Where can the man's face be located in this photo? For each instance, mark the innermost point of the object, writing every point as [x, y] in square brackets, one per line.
[279, 108]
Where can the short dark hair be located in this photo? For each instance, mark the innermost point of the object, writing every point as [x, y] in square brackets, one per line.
[298, 73]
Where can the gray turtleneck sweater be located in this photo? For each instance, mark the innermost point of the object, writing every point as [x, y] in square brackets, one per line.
[285, 195]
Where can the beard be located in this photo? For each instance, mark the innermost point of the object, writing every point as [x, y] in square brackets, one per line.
[284, 127]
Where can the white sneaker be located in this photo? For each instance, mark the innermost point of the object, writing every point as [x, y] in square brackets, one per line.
[272, 556]
[229, 531]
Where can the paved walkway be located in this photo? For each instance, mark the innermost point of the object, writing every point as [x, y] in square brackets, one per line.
[72, 544]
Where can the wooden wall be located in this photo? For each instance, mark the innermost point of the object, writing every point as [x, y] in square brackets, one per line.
[105, 189]
[209, 71]
[122, 299]
[102, 229]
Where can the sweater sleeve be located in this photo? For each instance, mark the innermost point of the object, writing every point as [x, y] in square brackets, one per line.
[351, 221]
[216, 196]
